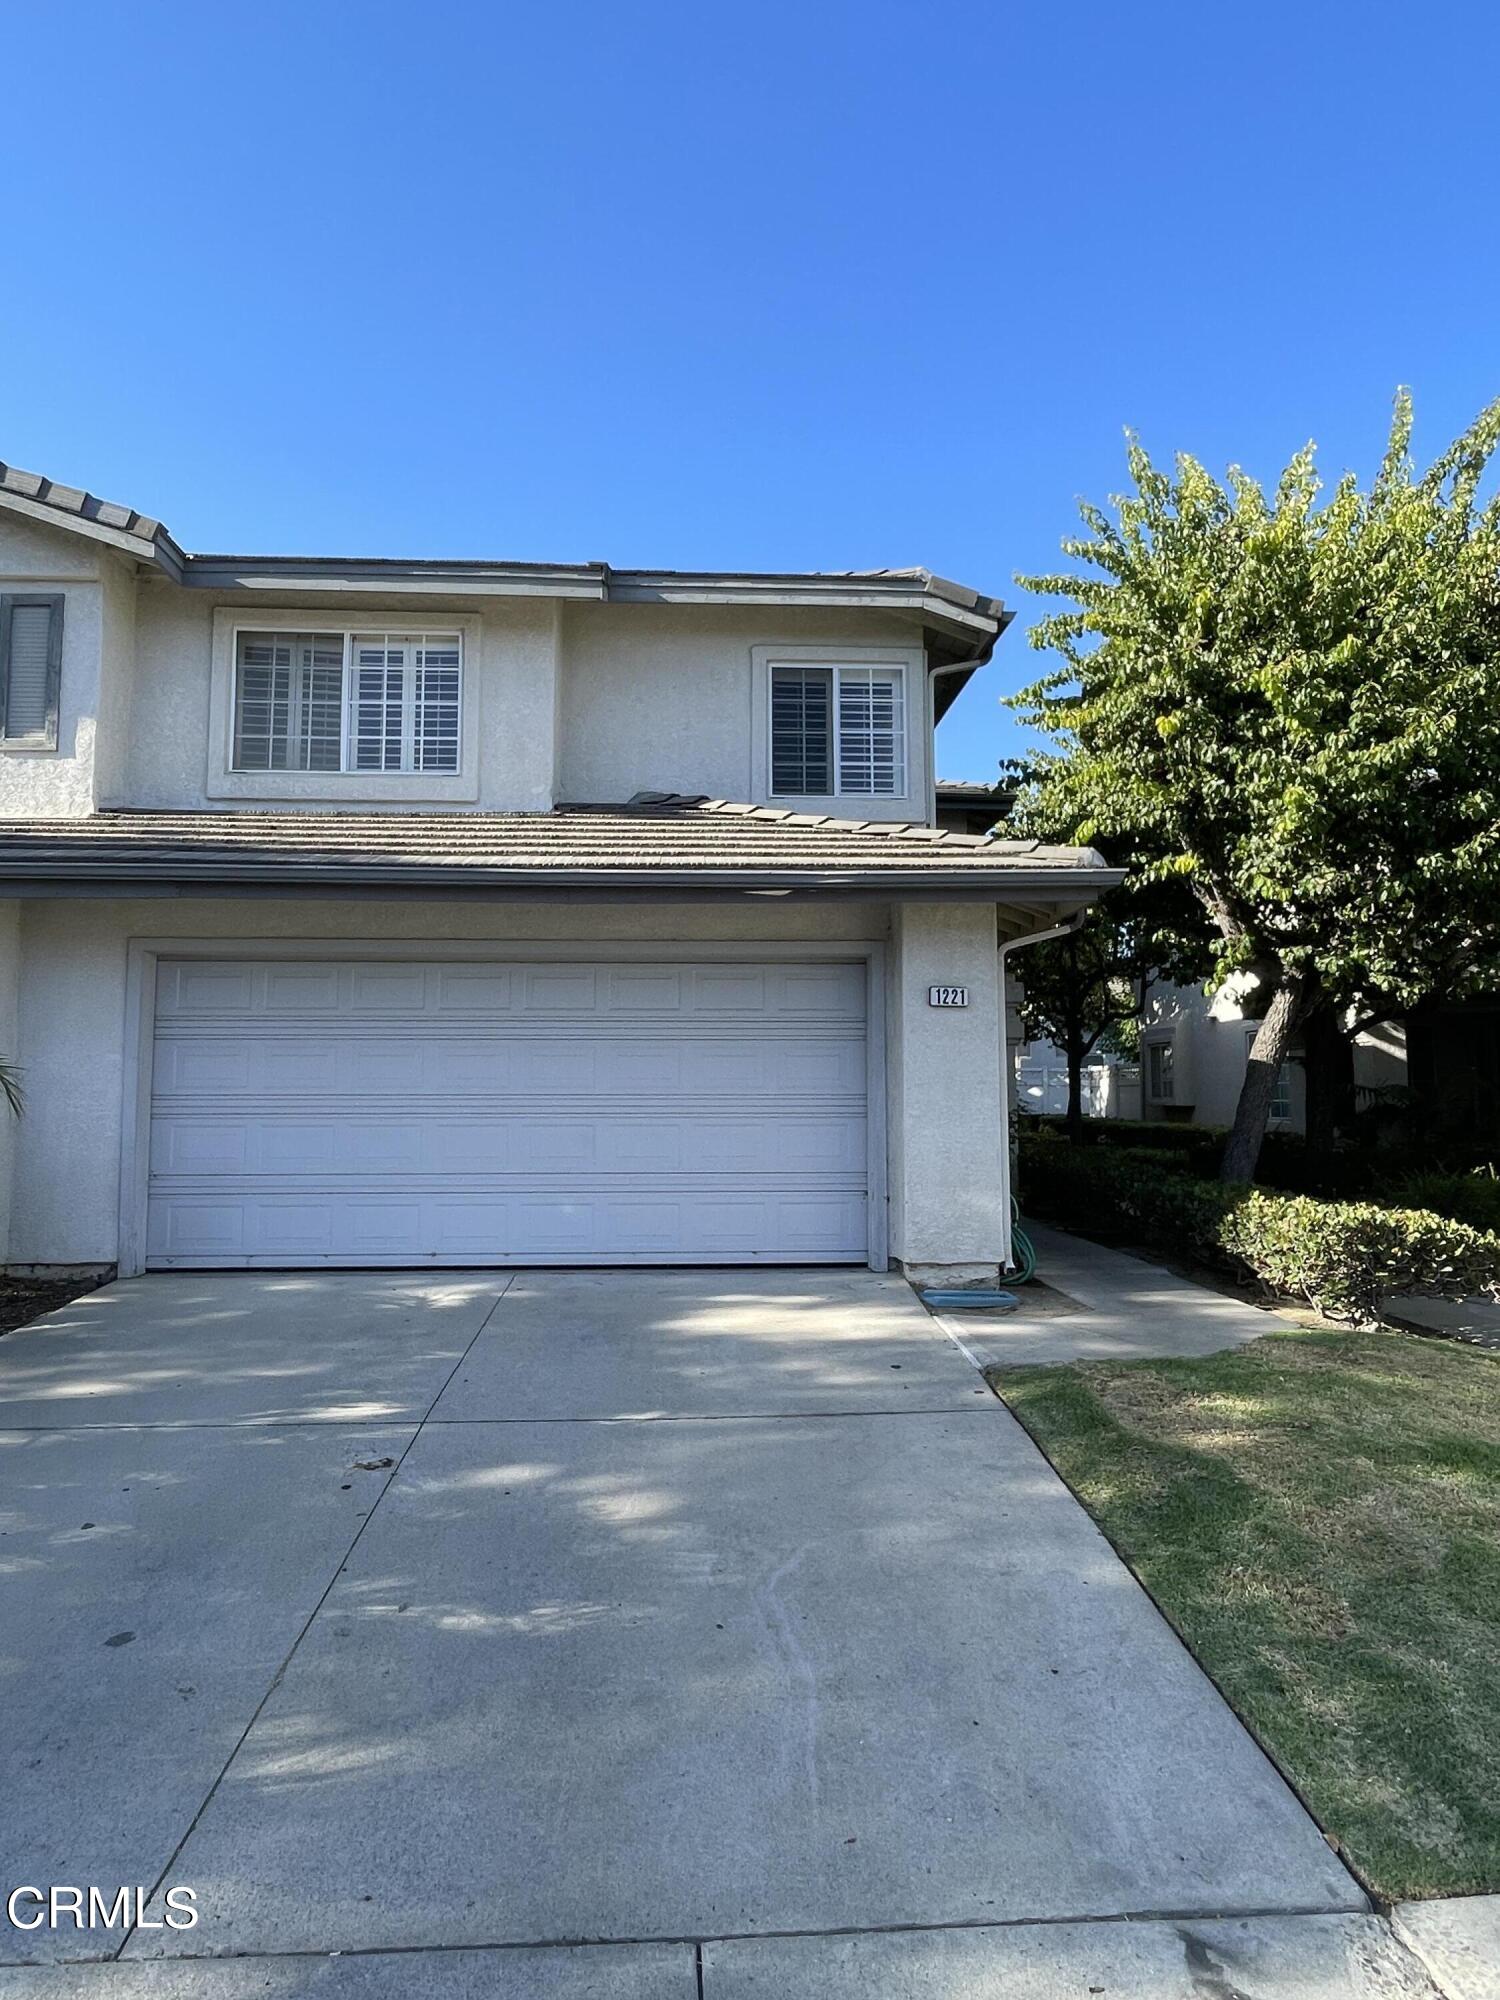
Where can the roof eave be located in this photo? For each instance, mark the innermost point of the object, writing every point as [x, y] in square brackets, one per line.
[964, 614]
[982, 883]
[156, 548]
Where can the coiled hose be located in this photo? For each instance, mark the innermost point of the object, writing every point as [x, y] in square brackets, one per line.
[1022, 1251]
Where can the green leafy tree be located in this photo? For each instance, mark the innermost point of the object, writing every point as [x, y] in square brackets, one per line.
[1087, 990]
[1077, 988]
[1293, 708]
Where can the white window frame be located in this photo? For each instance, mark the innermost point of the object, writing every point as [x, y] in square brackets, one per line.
[414, 787]
[907, 663]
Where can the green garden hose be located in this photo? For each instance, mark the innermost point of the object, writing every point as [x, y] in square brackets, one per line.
[1023, 1255]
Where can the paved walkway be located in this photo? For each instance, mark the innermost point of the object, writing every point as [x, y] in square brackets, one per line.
[1458, 1941]
[1098, 1304]
[632, 1636]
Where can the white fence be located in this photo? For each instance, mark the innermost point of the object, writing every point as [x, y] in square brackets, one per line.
[1110, 1090]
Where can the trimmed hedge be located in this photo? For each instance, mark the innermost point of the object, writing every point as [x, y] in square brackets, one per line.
[1342, 1257]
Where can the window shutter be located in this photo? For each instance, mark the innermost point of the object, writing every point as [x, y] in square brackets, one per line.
[435, 721]
[802, 731]
[379, 679]
[872, 731]
[320, 701]
[329, 701]
[30, 669]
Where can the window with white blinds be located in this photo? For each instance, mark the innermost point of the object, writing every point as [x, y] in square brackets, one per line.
[347, 701]
[30, 669]
[838, 729]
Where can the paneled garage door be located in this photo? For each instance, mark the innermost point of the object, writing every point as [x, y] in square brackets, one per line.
[388, 1112]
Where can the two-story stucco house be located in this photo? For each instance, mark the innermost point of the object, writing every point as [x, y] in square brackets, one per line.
[471, 913]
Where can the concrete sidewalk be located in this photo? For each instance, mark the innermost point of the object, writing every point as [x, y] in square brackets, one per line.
[1458, 1941]
[1098, 1304]
[1245, 1958]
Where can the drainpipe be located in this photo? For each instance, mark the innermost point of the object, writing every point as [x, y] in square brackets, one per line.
[1016, 944]
[934, 674]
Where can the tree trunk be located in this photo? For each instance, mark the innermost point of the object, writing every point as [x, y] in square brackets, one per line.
[1283, 1016]
[1075, 1089]
[1329, 1060]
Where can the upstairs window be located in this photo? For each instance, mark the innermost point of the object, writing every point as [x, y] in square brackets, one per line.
[347, 701]
[30, 669]
[836, 730]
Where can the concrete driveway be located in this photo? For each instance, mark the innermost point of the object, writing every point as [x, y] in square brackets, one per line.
[596, 1633]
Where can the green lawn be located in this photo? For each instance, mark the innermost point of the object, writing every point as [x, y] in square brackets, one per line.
[1319, 1515]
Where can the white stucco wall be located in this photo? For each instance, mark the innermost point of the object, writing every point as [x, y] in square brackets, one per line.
[583, 702]
[943, 1109]
[662, 698]
[58, 783]
[510, 691]
[117, 671]
[10, 997]
[948, 1111]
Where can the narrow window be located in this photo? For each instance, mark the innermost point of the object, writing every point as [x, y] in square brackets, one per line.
[836, 730]
[30, 670]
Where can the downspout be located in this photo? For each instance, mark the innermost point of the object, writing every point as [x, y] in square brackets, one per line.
[933, 676]
[1074, 923]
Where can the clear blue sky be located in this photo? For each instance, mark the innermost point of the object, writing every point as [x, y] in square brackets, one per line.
[783, 286]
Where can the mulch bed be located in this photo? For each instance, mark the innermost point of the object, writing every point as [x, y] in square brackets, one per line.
[25, 1299]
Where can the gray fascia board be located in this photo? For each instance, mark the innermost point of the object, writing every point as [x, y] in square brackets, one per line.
[972, 619]
[960, 611]
[377, 576]
[1057, 884]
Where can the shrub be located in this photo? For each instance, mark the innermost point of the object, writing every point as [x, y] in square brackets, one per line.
[1471, 1198]
[1345, 1257]
[1285, 1161]
[1148, 1134]
[1341, 1257]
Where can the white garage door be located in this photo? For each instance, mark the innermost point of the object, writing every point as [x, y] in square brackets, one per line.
[385, 1112]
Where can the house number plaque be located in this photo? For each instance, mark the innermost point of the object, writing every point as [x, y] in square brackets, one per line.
[947, 996]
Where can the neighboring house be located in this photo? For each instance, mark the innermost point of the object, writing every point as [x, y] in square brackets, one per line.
[962, 806]
[410, 913]
[1194, 1050]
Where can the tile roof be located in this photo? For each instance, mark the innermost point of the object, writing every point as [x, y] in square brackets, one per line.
[73, 500]
[654, 841]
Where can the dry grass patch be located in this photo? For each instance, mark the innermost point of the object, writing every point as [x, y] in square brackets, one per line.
[1319, 1516]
